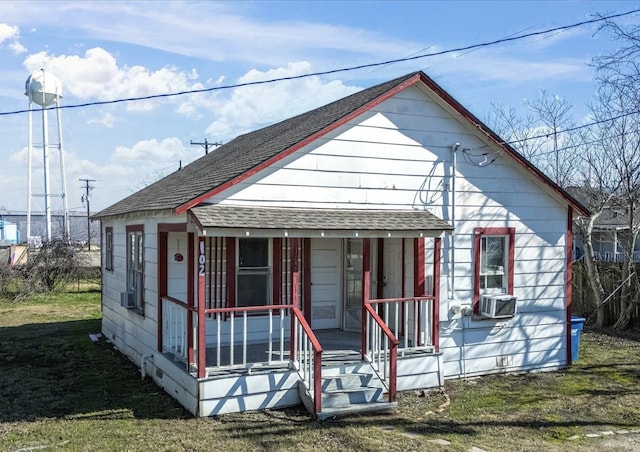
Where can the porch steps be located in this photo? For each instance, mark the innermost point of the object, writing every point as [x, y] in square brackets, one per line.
[350, 389]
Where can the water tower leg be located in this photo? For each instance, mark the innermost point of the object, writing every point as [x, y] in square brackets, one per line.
[45, 159]
[63, 180]
[30, 158]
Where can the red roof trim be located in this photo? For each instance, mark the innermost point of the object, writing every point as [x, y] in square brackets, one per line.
[267, 163]
[498, 141]
[419, 77]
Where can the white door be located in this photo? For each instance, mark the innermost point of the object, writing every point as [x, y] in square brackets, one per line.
[326, 290]
[353, 285]
[393, 263]
[392, 278]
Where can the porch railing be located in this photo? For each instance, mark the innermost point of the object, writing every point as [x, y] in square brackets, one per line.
[411, 321]
[231, 351]
[298, 346]
[381, 349]
[174, 331]
[396, 327]
[306, 354]
[609, 256]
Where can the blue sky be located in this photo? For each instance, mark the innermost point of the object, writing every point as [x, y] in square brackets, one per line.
[111, 50]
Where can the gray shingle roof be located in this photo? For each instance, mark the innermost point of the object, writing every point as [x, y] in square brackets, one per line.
[226, 216]
[246, 152]
[242, 154]
[613, 216]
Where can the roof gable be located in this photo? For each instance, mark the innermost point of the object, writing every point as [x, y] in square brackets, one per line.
[248, 154]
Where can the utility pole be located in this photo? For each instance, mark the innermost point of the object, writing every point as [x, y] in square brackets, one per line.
[206, 145]
[85, 197]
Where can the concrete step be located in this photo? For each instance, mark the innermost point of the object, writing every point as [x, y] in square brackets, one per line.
[349, 381]
[334, 412]
[348, 397]
[359, 367]
[348, 388]
[355, 384]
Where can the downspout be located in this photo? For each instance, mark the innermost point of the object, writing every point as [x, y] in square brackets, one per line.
[452, 258]
[143, 358]
[452, 247]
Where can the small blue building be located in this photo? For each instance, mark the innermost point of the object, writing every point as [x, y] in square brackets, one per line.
[9, 234]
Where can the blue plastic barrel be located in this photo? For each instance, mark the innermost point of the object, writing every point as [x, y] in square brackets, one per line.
[577, 323]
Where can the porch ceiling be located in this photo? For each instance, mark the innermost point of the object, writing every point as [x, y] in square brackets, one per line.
[298, 222]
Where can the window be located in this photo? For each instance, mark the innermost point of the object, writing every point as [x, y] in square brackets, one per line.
[493, 262]
[254, 273]
[135, 265]
[108, 248]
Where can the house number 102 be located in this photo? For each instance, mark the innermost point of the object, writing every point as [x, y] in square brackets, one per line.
[201, 259]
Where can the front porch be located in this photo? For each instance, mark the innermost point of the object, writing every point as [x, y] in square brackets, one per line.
[280, 313]
[329, 371]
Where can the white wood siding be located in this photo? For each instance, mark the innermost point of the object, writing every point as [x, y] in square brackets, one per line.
[134, 334]
[399, 156]
[396, 156]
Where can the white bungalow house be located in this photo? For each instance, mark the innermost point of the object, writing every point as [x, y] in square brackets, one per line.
[386, 241]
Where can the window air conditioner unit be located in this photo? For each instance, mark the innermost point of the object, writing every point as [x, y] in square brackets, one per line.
[497, 306]
[127, 300]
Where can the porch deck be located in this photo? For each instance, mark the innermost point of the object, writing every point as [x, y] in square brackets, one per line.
[339, 347]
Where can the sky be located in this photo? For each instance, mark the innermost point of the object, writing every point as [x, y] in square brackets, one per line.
[111, 50]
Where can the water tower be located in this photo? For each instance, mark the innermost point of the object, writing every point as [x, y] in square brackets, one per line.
[45, 90]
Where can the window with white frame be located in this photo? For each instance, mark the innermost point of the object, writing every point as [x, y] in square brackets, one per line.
[108, 248]
[135, 265]
[254, 272]
[494, 263]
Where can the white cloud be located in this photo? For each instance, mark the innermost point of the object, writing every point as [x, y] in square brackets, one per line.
[96, 75]
[249, 107]
[491, 67]
[128, 169]
[214, 31]
[107, 120]
[11, 36]
[150, 151]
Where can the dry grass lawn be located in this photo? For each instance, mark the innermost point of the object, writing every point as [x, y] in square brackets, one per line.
[60, 391]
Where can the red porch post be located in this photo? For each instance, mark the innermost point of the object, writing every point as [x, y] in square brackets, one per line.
[295, 280]
[162, 280]
[366, 290]
[437, 262]
[380, 270]
[306, 279]
[418, 278]
[191, 296]
[202, 347]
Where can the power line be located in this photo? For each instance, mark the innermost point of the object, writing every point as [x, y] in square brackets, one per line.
[336, 71]
[572, 129]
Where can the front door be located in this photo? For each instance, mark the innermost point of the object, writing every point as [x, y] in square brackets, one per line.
[392, 279]
[353, 285]
[326, 289]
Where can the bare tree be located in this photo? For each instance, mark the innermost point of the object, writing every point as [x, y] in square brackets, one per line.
[542, 136]
[519, 131]
[618, 73]
[554, 120]
[600, 185]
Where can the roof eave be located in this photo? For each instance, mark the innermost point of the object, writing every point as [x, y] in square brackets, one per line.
[290, 150]
[461, 110]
